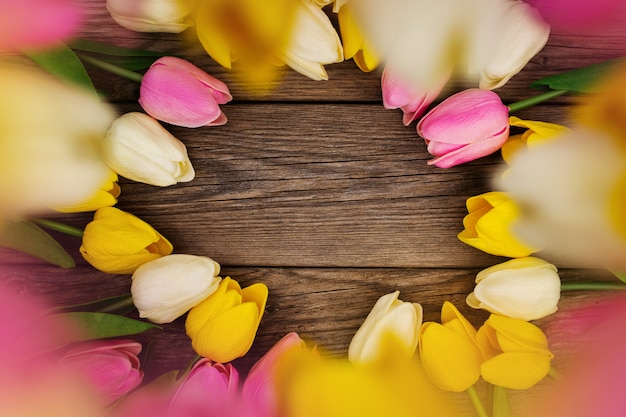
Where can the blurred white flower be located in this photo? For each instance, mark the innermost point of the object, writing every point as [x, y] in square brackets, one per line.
[151, 15]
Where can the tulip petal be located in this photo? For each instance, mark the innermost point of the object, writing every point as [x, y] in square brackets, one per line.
[517, 370]
[514, 334]
[472, 151]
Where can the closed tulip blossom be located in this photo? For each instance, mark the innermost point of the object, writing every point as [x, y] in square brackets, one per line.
[112, 366]
[536, 133]
[354, 45]
[488, 226]
[177, 92]
[523, 288]
[449, 351]
[516, 352]
[151, 15]
[391, 325]
[117, 242]
[106, 196]
[139, 148]
[166, 288]
[223, 326]
[407, 96]
[466, 126]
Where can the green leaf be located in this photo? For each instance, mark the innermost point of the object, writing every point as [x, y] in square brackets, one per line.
[29, 238]
[103, 325]
[581, 80]
[63, 63]
[118, 304]
[500, 406]
[620, 275]
[107, 49]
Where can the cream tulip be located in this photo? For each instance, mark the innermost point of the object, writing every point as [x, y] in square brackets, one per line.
[523, 288]
[392, 324]
[166, 288]
[139, 148]
[171, 16]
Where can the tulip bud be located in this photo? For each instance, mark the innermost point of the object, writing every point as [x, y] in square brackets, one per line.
[139, 148]
[524, 288]
[515, 351]
[106, 196]
[112, 366]
[488, 225]
[392, 324]
[536, 133]
[354, 46]
[223, 326]
[412, 100]
[466, 126]
[177, 92]
[151, 15]
[117, 242]
[166, 288]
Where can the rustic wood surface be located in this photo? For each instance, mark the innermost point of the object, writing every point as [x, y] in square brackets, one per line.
[317, 191]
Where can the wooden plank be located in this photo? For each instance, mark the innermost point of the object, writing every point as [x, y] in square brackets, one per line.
[346, 82]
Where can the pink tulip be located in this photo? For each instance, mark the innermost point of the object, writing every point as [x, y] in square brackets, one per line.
[27, 24]
[177, 92]
[111, 366]
[412, 100]
[466, 126]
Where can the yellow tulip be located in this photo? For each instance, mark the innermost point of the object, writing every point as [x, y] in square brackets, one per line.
[106, 196]
[223, 326]
[117, 242]
[449, 352]
[516, 352]
[536, 133]
[488, 225]
[354, 46]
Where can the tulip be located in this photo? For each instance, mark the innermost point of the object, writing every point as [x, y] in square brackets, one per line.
[516, 352]
[151, 15]
[312, 43]
[112, 366]
[449, 351]
[117, 242]
[521, 34]
[412, 100]
[466, 126]
[48, 143]
[223, 326]
[391, 321]
[536, 133]
[140, 149]
[106, 196]
[488, 225]
[177, 92]
[29, 24]
[167, 287]
[354, 46]
[524, 288]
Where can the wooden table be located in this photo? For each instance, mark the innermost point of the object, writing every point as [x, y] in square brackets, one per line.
[317, 191]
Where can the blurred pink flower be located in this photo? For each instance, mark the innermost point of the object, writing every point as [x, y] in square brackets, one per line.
[467, 125]
[177, 92]
[112, 366]
[26, 24]
[576, 15]
[411, 99]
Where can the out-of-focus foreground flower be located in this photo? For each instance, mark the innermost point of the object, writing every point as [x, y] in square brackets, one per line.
[536, 133]
[139, 148]
[49, 142]
[523, 288]
[151, 15]
[577, 16]
[572, 189]
[105, 196]
[117, 242]
[166, 288]
[31, 24]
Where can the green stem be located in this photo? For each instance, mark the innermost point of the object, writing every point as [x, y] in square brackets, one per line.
[556, 375]
[584, 286]
[122, 72]
[478, 405]
[519, 105]
[59, 227]
[117, 306]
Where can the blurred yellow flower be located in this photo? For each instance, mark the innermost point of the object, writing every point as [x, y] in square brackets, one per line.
[516, 352]
[537, 132]
[449, 352]
[106, 196]
[117, 242]
[354, 45]
[223, 326]
[488, 225]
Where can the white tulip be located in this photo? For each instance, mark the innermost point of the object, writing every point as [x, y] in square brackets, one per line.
[391, 320]
[171, 16]
[522, 288]
[166, 288]
[139, 148]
